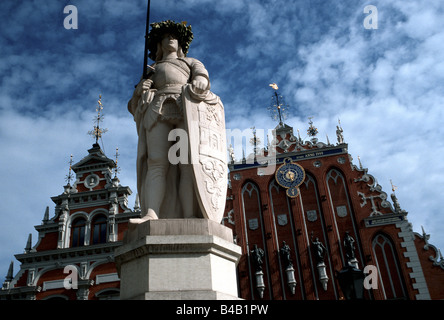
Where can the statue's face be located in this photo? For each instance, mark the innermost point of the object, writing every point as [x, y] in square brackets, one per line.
[170, 43]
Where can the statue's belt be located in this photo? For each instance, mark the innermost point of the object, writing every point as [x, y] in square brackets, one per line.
[173, 88]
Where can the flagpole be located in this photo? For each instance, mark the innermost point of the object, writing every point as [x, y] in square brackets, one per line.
[145, 56]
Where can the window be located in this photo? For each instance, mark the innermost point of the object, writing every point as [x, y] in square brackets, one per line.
[388, 268]
[78, 232]
[98, 233]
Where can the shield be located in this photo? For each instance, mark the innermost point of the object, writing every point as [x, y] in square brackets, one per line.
[253, 224]
[205, 121]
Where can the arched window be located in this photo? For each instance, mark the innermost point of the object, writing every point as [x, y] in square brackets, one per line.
[78, 232]
[98, 234]
[388, 268]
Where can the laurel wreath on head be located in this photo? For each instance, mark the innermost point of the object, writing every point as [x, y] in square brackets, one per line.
[159, 29]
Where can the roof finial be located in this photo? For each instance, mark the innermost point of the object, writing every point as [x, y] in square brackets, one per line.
[425, 236]
[137, 203]
[312, 131]
[360, 164]
[46, 215]
[278, 108]
[339, 132]
[10, 274]
[254, 141]
[69, 176]
[393, 186]
[116, 168]
[28, 244]
[97, 132]
[231, 153]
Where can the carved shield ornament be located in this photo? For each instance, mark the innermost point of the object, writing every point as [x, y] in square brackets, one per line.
[312, 215]
[205, 122]
[342, 211]
[253, 224]
[282, 219]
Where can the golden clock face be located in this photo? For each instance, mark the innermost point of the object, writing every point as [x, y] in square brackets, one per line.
[290, 176]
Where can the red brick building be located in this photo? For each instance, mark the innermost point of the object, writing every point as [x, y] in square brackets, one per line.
[74, 254]
[336, 199]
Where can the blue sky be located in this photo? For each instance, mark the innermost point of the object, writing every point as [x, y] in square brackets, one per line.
[385, 85]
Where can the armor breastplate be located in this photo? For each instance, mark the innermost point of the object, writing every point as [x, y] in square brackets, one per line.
[170, 73]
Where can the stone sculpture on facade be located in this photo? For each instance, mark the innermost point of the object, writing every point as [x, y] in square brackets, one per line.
[285, 253]
[349, 246]
[176, 101]
[320, 251]
[257, 254]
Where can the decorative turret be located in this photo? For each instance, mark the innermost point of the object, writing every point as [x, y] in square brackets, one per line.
[46, 216]
[28, 247]
[9, 276]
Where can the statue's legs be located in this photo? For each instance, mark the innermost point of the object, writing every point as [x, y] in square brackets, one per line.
[186, 186]
[155, 182]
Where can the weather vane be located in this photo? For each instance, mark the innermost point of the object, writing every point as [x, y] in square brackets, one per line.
[97, 131]
[277, 108]
[116, 168]
[393, 186]
[69, 176]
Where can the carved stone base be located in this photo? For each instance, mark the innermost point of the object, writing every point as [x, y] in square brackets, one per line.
[322, 272]
[191, 259]
[354, 263]
[291, 280]
[260, 285]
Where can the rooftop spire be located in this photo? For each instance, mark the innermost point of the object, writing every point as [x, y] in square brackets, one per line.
[116, 168]
[97, 131]
[28, 244]
[360, 164]
[254, 141]
[277, 108]
[9, 276]
[46, 215]
[69, 176]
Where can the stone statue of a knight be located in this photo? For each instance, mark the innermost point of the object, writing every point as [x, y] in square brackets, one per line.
[177, 95]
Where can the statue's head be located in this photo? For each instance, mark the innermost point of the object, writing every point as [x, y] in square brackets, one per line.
[159, 30]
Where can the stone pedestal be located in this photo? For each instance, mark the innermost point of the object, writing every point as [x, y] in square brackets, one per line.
[190, 259]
